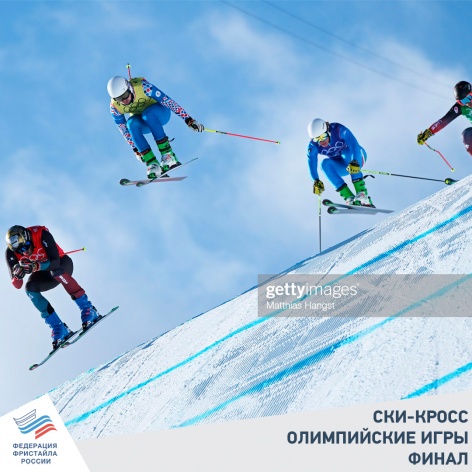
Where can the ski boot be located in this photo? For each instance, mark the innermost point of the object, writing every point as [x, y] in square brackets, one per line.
[362, 197]
[168, 158]
[346, 193]
[60, 331]
[154, 170]
[88, 313]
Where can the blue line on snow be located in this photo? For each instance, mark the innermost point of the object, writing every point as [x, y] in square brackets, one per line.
[84, 416]
[372, 261]
[439, 382]
[326, 352]
[408, 242]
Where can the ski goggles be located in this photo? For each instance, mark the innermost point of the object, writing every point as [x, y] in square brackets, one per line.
[321, 138]
[123, 96]
[465, 100]
[24, 247]
[17, 244]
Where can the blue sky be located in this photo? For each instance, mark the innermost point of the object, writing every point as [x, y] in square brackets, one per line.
[168, 252]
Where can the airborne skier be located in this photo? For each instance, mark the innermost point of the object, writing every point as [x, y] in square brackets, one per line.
[463, 106]
[343, 156]
[33, 251]
[149, 109]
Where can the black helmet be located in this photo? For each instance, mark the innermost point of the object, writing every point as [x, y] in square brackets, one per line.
[18, 238]
[462, 89]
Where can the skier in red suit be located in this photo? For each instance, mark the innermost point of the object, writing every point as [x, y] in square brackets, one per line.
[33, 251]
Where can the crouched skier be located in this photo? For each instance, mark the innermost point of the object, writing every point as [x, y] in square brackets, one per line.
[342, 155]
[33, 251]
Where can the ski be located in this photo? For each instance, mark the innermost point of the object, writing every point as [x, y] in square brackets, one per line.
[35, 366]
[140, 183]
[343, 208]
[82, 332]
[345, 211]
[162, 178]
[73, 338]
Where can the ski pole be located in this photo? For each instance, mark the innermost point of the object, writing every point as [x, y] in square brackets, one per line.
[128, 66]
[319, 219]
[75, 250]
[445, 181]
[241, 136]
[444, 159]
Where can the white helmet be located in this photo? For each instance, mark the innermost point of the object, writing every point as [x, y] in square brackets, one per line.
[117, 86]
[317, 127]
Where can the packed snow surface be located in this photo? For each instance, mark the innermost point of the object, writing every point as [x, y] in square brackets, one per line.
[230, 364]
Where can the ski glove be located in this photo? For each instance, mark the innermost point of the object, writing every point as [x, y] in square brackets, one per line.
[195, 125]
[318, 187]
[30, 266]
[353, 167]
[424, 136]
[18, 272]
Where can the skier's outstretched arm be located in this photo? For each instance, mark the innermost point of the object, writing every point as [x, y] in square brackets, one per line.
[153, 92]
[450, 116]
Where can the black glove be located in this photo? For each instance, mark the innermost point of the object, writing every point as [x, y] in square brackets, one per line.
[424, 136]
[318, 187]
[195, 125]
[18, 272]
[353, 167]
[29, 266]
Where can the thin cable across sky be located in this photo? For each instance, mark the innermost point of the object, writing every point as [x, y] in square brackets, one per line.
[331, 52]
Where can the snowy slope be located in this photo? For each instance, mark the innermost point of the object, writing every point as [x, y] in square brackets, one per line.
[228, 364]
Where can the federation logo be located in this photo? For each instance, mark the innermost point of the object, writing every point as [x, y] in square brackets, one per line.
[29, 423]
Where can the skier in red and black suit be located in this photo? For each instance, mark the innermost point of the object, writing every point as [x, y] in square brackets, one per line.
[33, 251]
[463, 106]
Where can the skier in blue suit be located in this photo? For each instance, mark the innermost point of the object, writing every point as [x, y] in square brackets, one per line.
[342, 156]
